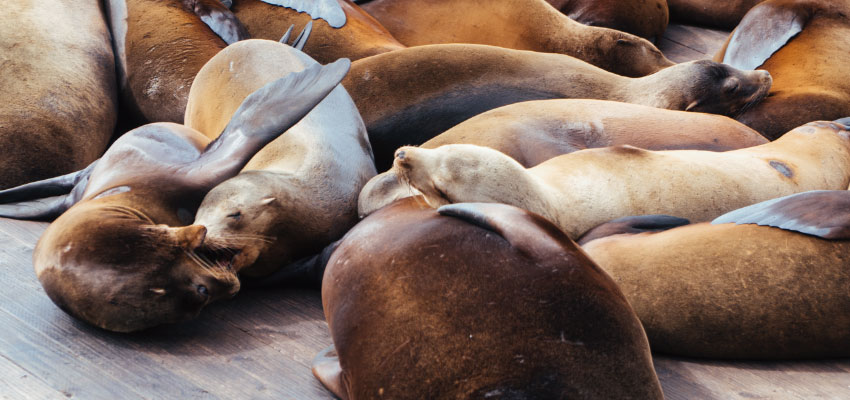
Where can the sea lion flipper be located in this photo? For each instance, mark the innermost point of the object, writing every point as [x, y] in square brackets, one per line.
[41, 209]
[632, 225]
[227, 3]
[220, 19]
[50, 187]
[328, 10]
[822, 213]
[762, 32]
[301, 40]
[285, 38]
[327, 370]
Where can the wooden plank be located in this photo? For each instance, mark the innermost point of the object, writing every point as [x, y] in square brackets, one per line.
[17, 383]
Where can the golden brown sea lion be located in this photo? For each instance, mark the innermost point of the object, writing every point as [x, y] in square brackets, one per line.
[722, 290]
[297, 194]
[159, 47]
[645, 18]
[534, 131]
[409, 96]
[360, 36]
[517, 24]
[718, 13]
[58, 87]
[805, 44]
[476, 301]
[580, 190]
[121, 257]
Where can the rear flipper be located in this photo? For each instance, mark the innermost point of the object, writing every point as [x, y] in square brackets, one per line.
[217, 15]
[632, 225]
[329, 10]
[37, 200]
[327, 370]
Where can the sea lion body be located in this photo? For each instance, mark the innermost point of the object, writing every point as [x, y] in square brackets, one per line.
[518, 24]
[645, 18]
[722, 14]
[580, 190]
[535, 131]
[805, 46]
[300, 191]
[483, 300]
[59, 95]
[409, 96]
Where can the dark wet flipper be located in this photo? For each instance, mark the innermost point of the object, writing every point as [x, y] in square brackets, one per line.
[633, 225]
[328, 10]
[219, 18]
[301, 40]
[326, 369]
[55, 186]
[41, 209]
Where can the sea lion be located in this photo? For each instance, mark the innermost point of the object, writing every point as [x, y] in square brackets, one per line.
[534, 131]
[645, 18]
[805, 45]
[724, 14]
[160, 46]
[476, 301]
[580, 190]
[722, 290]
[59, 96]
[518, 24]
[361, 35]
[299, 193]
[411, 95]
[121, 257]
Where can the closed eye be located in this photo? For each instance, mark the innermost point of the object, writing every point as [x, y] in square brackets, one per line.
[235, 215]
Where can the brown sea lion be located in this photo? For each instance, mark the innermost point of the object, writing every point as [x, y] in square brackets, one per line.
[805, 44]
[409, 96]
[58, 82]
[534, 131]
[581, 190]
[297, 194]
[121, 257]
[717, 13]
[159, 47]
[723, 290]
[518, 24]
[360, 36]
[645, 18]
[476, 301]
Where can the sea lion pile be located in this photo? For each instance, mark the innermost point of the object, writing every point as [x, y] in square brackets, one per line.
[555, 196]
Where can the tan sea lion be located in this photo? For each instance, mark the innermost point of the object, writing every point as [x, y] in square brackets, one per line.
[476, 301]
[409, 96]
[717, 13]
[723, 290]
[299, 193]
[360, 36]
[805, 44]
[121, 257]
[59, 97]
[518, 24]
[160, 46]
[534, 131]
[580, 190]
[645, 18]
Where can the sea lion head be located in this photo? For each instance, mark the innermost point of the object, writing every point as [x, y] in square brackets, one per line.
[127, 277]
[630, 55]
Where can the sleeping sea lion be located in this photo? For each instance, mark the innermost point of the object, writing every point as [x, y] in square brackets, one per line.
[121, 257]
[475, 301]
[645, 18]
[580, 190]
[409, 96]
[805, 44]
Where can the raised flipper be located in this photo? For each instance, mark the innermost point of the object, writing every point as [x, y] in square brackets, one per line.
[56, 186]
[763, 31]
[822, 213]
[219, 18]
[301, 40]
[262, 117]
[328, 10]
[327, 370]
[632, 225]
[285, 38]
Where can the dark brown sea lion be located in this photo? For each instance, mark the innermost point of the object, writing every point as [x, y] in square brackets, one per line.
[805, 44]
[517, 24]
[476, 301]
[159, 47]
[718, 13]
[645, 18]
[534, 131]
[360, 36]
[409, 96]
[121, 257]
[723, 290]
[58, 87]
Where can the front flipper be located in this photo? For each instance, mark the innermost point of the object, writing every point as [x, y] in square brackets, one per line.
[219, 18]
[41, 209]
[762, 32]
[632, 225]
[327, 370]
[328, 10]
[822, 213]
[56, 186]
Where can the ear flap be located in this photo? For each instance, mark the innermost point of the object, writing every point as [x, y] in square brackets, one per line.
[328, 10]
[762, 32]
[821, 213]
[327, 370]
[219, 18]
[190, 237]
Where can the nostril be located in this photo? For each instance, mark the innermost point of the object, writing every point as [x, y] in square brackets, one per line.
[203, 291]
[400, 154]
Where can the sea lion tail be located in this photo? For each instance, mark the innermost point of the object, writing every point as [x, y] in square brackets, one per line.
[632, 225]
[44, 199]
